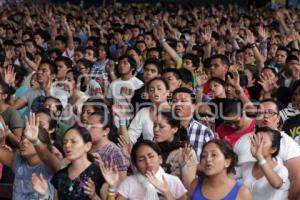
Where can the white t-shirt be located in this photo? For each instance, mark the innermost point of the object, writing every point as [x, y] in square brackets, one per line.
[141, 124]
[260, 188]
[288, 148]
[132, 189]
[114, 91]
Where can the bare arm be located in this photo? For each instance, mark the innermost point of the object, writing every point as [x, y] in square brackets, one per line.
[294, 175]
[31, 132]
[244, 194]
[19, 103]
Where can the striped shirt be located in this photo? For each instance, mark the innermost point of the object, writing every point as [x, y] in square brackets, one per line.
[198, 135]
[288, 112]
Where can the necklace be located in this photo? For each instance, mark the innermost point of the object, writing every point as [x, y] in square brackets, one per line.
[71, 186]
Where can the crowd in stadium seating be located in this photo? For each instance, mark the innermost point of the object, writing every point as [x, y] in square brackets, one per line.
[151, 102]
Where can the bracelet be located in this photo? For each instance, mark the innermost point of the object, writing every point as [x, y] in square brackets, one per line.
[163, 40]
[262, 162]
[111, 194]
[112, 189]
[251, 45]
[122, 122]
[199, 88]
[36, 142]
[45, 197]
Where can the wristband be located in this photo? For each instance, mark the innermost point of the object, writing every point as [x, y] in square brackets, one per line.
[45, 197]
[163, 40]
[252, 45]
[36, 142]
[122, 122]
[199, 88]
[262, 162]
[111, 194]
[112, 189]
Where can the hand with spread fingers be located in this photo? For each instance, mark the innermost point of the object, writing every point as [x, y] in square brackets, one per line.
[39, 184]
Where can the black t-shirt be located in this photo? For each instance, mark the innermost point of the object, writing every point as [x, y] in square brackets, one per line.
[68, 189]
[292, 126]
[139, 100]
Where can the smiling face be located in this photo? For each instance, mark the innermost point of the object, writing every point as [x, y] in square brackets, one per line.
[213, 160]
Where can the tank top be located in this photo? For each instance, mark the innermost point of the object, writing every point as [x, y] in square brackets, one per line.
[197, 195]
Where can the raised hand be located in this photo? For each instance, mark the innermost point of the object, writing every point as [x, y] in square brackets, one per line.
[119, 111]
[256, 147]
[162, 186]
[262, 33]
[206, 35]
[32, 127]
[201, 78]
[109, 172]
[267, 83]
[184, 154]
[9, 75]
[235, 80]
[125, 146]
[39, 184]
[249, 37]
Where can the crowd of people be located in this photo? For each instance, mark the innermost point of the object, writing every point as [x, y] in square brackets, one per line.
[151, 102]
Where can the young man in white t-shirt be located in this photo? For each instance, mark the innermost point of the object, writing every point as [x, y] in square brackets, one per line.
[289, 150]
[122, 89]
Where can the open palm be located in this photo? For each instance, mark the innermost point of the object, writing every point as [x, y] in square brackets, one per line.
[32, 127]
[109, 172]
[39, 184]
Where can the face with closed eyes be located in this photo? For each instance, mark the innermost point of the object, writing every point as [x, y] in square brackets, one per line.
[157, 91]
[147, 159]
[74, 146]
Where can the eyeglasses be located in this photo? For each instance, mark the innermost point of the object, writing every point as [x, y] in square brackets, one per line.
[267, 113]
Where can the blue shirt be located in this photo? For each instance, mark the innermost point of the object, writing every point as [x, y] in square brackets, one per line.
[22, 187]
[198, 195]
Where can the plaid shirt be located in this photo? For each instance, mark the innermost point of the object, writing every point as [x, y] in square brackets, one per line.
[198, 135]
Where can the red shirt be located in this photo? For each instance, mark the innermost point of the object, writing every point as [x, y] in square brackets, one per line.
[227, 133]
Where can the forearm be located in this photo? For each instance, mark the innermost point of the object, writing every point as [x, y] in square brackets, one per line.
[123, 130]
[47, 157]
[170, 50]
[14, 139]
[259, 58]
[263, 47]
[188, 176]
[272, 177]
[70, 38]
[169, 196]
[199, 94]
